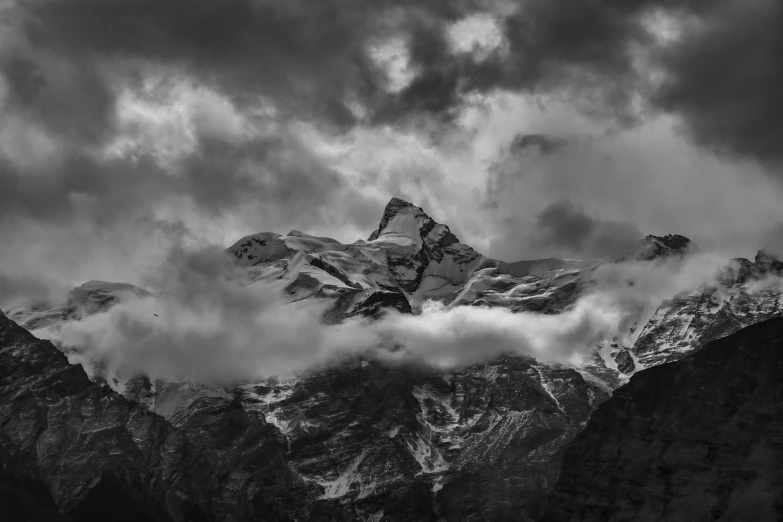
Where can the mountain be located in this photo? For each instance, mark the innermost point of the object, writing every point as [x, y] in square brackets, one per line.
[477, 443]
[744, 293]
[366, 440]
[697, 439]
[90, 298]
[74, 447]
[408, 258]
[357, 441]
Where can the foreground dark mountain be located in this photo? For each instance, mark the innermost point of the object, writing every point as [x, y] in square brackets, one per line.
[699, 439]
[73, 449]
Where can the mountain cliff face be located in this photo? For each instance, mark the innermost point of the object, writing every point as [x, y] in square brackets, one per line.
[744, 293]
[68, 442]
[364, 440]
[474, 444]
[698, 439]
[409, 257]
[72, 449]
[360, 440]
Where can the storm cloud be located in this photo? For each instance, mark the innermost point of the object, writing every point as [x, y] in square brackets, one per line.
[568, 229]
[315, 58]
[160, 121]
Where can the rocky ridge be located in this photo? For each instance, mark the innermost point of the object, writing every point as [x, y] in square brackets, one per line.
[78, 448]
[284, 449]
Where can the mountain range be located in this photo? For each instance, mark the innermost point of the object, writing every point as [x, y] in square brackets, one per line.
[369, 440]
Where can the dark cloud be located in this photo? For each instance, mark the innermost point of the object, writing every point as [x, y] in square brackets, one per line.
[68, 62]
[274, 173]
[70, 97]
[566, 229]
[521, 155]
[27, 291]
[77, 183]
[310, 57]
[725, 79]
[65, 66]
[542, 143]
[723, 76]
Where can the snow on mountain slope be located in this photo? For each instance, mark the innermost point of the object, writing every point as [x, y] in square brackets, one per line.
[745, 293]
[409, 258]
[368, 434]
[89, 298]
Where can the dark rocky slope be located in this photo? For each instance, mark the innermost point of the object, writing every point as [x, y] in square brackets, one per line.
[481, 443]
[71, 446]
[360, 441]
[697, 439]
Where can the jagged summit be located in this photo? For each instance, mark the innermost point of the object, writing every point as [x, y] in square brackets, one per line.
[393, 207]
[425, 254]
[673, 241]
[404, 218]
[410, 253]
[661, 247]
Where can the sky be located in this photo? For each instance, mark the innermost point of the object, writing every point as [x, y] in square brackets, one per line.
[533, 128]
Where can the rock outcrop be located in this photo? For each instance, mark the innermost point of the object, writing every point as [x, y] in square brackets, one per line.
[356, 441]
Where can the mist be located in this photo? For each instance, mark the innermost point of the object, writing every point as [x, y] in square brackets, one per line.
[206, 324]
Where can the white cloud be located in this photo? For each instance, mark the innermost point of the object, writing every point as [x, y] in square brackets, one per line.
[167, 119]
[204, 326]
[26, 145]
[393, 57]
[479, 34]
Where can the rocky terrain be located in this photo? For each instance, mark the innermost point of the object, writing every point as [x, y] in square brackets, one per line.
[372, 435]
[366, 440]
[76, 446]
[698, 439]
[744, 293]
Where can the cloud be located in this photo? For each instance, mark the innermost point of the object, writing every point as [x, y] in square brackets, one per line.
[24, 291]
[107, 129]
[204, 325]
[566, 228]
[148, 121]
[453, 337]
[640, 284]
[229, 334]
[316, 59]
[541, 142]
[723, 77]
[649, 177]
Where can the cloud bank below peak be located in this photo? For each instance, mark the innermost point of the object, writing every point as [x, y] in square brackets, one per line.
[204, 326]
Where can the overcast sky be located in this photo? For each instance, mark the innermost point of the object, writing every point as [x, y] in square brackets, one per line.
[532, 128]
